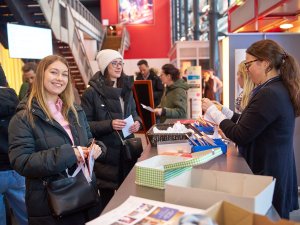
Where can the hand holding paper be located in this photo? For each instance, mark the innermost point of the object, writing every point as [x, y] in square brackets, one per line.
[129, 122]
[147, 108]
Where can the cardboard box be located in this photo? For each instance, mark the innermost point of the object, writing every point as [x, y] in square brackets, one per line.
[225, 213]
[177, 146]
[203, 188]
[155, 171]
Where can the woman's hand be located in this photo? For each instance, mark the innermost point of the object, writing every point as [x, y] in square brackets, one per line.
[135, 127]
[97, 151]
[158, 111]
[218, 104]
[206, 103]
[85, 152]
[118, 124]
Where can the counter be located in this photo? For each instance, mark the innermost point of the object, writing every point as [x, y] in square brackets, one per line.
[231, 162]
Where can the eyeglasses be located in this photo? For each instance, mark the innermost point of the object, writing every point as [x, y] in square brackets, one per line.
[115, 64]
[248, 64]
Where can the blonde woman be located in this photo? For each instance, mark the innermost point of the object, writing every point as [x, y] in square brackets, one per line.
[43, 140]
[246, 84]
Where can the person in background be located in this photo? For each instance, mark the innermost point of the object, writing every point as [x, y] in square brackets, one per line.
[149, 74]
[265, 129]
[12, 184]
[208, 85]
[107, 103]
[174, 101]
[43, 139]
[29, 70]
[218, 86]
[246, 84]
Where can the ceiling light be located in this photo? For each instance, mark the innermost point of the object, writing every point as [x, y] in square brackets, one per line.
[286, 26]
[239, 2]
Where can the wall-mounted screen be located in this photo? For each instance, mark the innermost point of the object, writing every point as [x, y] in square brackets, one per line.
[136, 11]
[29, 42]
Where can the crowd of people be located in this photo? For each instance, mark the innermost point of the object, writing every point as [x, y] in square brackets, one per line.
[47, 135]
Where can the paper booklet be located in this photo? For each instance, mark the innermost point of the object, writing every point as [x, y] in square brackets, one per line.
[141, 211]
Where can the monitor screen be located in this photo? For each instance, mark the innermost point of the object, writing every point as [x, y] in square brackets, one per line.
[29, 42]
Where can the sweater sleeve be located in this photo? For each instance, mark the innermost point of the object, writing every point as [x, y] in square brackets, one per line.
[255, 118]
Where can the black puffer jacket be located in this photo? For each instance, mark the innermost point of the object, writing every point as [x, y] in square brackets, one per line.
[8, 105]
[41, 152]
[111, 173]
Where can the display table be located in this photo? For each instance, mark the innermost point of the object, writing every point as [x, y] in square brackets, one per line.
[231, 162]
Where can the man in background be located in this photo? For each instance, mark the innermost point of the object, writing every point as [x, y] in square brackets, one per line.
[149, 74]
[29, 70]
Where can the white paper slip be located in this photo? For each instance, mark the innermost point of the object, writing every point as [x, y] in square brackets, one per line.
[147, 108]
[129, 123]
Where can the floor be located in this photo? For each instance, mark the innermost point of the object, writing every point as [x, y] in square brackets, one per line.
[295, 216]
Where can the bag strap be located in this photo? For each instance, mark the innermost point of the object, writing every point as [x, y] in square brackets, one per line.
[109, 113]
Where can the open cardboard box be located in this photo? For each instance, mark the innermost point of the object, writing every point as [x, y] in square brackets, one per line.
[176, 146]
[225, 213]
[202, 188]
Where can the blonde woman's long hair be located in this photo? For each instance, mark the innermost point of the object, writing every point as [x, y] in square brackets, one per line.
[38, 90]
[248, 85]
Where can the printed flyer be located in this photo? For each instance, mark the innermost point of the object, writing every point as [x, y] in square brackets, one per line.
[141, 211]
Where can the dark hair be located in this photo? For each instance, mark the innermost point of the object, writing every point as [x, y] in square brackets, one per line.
[142, 62]
[269, 50]
[172, 70]
[29, 66]
[109, 82]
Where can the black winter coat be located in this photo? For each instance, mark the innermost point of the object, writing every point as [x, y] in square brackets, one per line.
[157, 86]
[265, 135]
[41, 152]
[110, 174]
[8, 104]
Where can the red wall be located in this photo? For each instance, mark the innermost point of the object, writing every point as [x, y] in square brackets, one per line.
[147, 41]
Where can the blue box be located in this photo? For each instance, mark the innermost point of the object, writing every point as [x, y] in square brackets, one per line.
[207, 130]
[218, 142]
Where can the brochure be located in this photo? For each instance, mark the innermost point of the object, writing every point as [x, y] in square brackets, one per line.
[141, 211]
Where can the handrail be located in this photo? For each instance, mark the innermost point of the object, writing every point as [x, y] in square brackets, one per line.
[124, 41]
[84, 61]
[85, 13]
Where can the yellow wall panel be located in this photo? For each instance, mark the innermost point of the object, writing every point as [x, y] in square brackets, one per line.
[12, 68]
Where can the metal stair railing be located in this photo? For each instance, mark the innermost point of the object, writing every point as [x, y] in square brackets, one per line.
[125, 43]
[78, 50]
[85, 13]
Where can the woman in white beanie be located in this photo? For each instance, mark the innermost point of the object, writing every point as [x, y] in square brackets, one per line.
[107, 102]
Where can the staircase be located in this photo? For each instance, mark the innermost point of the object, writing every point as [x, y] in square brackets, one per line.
[74, 30]
[64, 50]
[117, 38]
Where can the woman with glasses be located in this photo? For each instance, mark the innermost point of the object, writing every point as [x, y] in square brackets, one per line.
[107, 102]
[265, 129]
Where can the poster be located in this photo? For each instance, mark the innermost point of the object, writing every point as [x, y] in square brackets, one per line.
[136, 12]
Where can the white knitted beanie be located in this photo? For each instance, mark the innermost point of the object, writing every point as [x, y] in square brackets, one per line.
[105, 57]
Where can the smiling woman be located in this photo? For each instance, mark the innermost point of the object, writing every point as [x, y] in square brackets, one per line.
[43, 140]
[107, 103]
